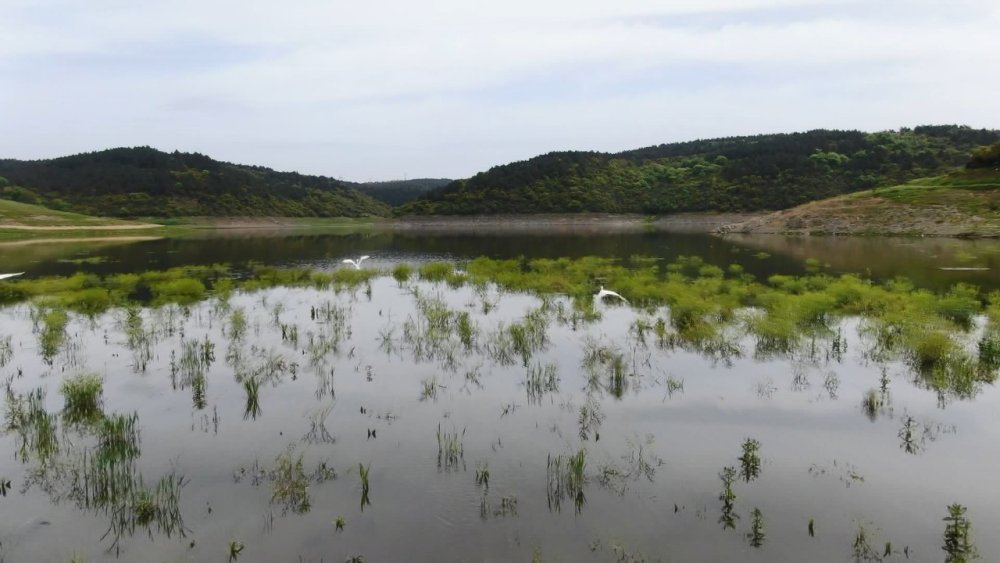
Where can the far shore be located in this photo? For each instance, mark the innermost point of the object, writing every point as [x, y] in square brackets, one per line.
[590, 222]
[677, 223]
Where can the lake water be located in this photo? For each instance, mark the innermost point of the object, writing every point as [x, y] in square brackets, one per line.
[367, 377]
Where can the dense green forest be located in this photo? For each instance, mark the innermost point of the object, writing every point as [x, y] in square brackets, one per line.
[728, 174]
[398, 192]
[145, 182]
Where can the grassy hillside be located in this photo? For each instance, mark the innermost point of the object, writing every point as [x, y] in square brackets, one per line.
[730, 174]
[963, 203]
[16, 215]
[134, 182]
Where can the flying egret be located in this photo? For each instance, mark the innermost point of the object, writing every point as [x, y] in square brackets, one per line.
[356, 263]
[5, 276]
[600, 295]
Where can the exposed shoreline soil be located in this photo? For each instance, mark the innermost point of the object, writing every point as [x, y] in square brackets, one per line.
[869, 216]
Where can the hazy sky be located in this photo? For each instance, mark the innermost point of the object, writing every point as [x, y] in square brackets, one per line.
[386, 89]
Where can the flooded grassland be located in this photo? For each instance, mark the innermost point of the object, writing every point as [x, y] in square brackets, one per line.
[497, 412]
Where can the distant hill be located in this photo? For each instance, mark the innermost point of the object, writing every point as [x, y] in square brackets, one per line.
[145, 182]
[963, 203]
[762, 172]
[398, 192]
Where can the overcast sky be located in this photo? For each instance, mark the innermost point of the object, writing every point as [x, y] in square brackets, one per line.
[380, 90]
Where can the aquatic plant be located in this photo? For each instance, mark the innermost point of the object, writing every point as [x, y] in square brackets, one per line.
[988, 348]
[83, 398]
[871, 404]
[466, 330]
[118, 437]
[251, 409]
[750, 460]
[590, 419]
[483, 475]
[363, 473]
[566, 477]
[291, 485]
[234, 550]
[6, 350]
[401, 273]
[541, 380]
[429, 389]
[728, 498]
[756, 535]
[958, 546]
[508, 506]
[318, 433]
[674, 385]
[908, 435]
[53, 333]
[339, 523]
[139, 340]
[451, 450]
[237, 323]
[862, 549]
[184, 291]
[36, 428]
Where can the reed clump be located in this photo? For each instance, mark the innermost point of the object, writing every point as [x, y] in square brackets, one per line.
[83, 395]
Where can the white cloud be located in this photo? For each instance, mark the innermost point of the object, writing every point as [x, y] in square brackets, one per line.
[376, 90]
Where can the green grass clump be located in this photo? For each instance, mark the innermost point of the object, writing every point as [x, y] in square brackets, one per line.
[36, 428]
[83, 397]
[351, 278]
[435, 271]
[989, 351]
[566, 477]
[931, 349]
[53, 333]
[184, 291]
[90, 301]
[960, 304]
[251, 409]
[451, 450]
[291, 485]
[118, 437]
[402, 272]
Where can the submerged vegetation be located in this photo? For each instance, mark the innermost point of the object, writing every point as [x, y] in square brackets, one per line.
[228, 342]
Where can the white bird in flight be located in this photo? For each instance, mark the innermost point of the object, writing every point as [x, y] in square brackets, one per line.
[600, 295]
[356, 263]
[5, 276]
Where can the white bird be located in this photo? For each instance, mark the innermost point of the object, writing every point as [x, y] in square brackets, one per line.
[600, 295]
[5, 276]
[356, 263]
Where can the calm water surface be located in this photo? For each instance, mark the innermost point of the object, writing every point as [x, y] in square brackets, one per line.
[363, 377]
[920, 259]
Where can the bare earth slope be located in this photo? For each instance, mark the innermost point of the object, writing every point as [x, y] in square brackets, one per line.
[961, 204]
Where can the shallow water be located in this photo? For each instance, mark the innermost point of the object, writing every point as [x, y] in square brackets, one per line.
[667, 429]
[919, 259]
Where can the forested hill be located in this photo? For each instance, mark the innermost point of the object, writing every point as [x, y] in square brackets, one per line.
[398, 192]
[727, 174]
[145, 182]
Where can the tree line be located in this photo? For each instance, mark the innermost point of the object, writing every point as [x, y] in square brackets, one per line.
[761, 172]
